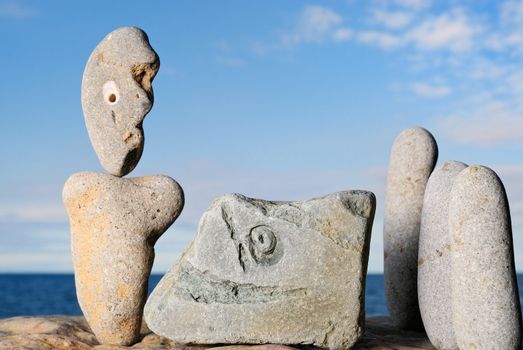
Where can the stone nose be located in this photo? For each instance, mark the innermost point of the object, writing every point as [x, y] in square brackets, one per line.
[143, 74]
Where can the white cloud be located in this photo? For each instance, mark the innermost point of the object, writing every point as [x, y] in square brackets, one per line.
[485, 69]
[511, 175]
[428, 90]
[450, 31]
[491, 123]
[515, 83]
[28, 212]
[511, 13]
[342, 34]
[222, 45]
[315, 24]
[15, 9]
[414, 4]
[35, 261]
[508, 34]
[230, 61]
[226, 56]
[383, 40]
[392, 19]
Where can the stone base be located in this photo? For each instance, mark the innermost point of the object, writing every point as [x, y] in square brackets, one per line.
[73, 333]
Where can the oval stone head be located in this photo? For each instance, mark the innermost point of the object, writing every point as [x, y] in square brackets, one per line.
[116, 96]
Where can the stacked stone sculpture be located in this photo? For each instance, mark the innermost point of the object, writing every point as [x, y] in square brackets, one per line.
[263, 272]
[115, 222]
[413, 156]
[270, 272]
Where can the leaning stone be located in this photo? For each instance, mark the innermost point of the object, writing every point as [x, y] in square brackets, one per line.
[116, 96]
[434, 290]
[270, 272]
[114, 225]
[413, 156]
[485, 296]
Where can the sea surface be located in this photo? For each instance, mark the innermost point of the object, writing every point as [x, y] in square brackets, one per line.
[54, 294]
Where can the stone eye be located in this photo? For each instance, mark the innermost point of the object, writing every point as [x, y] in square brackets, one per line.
[262, 243]
[110, 92]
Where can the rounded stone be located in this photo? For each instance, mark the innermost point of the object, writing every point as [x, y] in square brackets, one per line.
[434, 293]
[413, 156]
[116, 96]
[485, 299]
[115, 223]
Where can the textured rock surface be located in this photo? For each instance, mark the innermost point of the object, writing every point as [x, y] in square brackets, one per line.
[73, 333]
[270, 272]
[114, 225]
[484, 287]
[116, 96]
[435, 241]
[413, 156]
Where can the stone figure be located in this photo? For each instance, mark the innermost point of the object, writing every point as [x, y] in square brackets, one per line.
[116, 221]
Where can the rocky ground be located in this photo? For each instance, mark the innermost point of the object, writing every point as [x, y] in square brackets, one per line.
[60, 332]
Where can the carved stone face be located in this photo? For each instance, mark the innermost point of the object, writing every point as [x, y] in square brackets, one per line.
[116, 96]
[270, 272]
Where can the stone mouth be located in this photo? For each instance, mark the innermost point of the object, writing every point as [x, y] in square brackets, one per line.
[202, 287]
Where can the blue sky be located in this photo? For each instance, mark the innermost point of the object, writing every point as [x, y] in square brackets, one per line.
[282, 100]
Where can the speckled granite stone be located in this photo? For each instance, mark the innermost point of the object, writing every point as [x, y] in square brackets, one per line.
[435, 241]
[413, 156]
[115, 223]
[485, 298]
[116, 96]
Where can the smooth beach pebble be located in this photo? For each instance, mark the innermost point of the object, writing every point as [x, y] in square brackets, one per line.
[434, 293]
[114, 225]
[263, 272]
[116, 96]
[485, 300]
[413, 156]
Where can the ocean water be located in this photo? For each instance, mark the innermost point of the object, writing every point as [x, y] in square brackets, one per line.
[54, 294]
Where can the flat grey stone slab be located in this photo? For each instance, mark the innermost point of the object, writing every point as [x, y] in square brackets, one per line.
[270, 272]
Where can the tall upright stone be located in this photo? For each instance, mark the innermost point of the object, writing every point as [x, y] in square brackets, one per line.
[114, 225]
[270, 272]
[413, 156]
[485, 295]
[434, 262]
